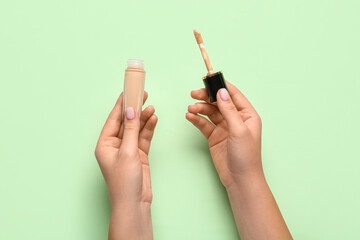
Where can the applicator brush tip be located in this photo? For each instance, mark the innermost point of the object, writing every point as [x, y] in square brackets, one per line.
[198, 37]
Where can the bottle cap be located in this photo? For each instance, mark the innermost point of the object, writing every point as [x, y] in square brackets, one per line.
[213, 83]
[135, 63]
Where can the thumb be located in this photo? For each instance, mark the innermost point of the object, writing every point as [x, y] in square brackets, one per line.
[130, 137]
[227, 108]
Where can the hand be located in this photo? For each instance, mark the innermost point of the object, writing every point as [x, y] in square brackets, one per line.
[123, 159]
[233, 132]
[234, 137]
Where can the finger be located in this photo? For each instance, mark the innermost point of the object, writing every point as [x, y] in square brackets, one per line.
[145, 97]
[147, 133]
[131, 131]
[113, 122]
[240, 101]
[200, 94]
[121, 130]
[205, 127]
[227, 108]
[145, 115]
[211, 111]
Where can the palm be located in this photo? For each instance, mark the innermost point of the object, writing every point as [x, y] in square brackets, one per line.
[218, 150]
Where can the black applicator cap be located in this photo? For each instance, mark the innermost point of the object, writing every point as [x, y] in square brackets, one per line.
[213, 83]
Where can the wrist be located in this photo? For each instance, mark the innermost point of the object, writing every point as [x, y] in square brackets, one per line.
[138, 208]
[131, 219]
[249, 180]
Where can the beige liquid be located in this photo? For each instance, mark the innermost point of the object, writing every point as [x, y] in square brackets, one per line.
[134, 89]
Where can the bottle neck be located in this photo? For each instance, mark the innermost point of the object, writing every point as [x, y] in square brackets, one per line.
[135, 69]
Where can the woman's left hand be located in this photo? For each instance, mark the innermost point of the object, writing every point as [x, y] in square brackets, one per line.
[123, 159]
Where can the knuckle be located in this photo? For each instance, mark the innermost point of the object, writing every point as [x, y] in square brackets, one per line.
[149, 127]
[259, 120]
[197, 121]
[97, 153]
[230, 106]
[236, 95]
[130, 126]
[202, 122]
[128, 153]
[112, 142]
[212, 114]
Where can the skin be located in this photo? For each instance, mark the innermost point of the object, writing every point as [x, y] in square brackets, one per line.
[233, 131]
[122, 153]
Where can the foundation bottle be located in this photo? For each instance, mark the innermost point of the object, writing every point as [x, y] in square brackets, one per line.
[134, 86]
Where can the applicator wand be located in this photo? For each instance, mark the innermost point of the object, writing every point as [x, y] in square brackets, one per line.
[213, 81]
[200, 41]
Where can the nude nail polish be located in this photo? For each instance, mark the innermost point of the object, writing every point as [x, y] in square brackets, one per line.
[224, 94]
[130, 113]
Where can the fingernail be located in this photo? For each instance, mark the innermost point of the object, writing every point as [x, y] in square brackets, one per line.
[130, 113]
[192, 105]
[224, 94]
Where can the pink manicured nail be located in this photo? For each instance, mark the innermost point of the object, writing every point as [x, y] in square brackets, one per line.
[192, 105]
[130, 113]
[224, 94]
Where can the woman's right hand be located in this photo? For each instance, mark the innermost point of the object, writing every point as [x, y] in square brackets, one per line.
[233, 132]
[234, 137]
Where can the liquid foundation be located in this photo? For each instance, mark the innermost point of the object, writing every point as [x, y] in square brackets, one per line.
[134, 86]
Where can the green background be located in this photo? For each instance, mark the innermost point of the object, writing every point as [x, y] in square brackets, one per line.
[61, 70]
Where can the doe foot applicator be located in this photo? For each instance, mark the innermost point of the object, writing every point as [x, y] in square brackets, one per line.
[213, 81]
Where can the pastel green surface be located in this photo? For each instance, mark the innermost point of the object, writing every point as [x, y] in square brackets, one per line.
[61, 70]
